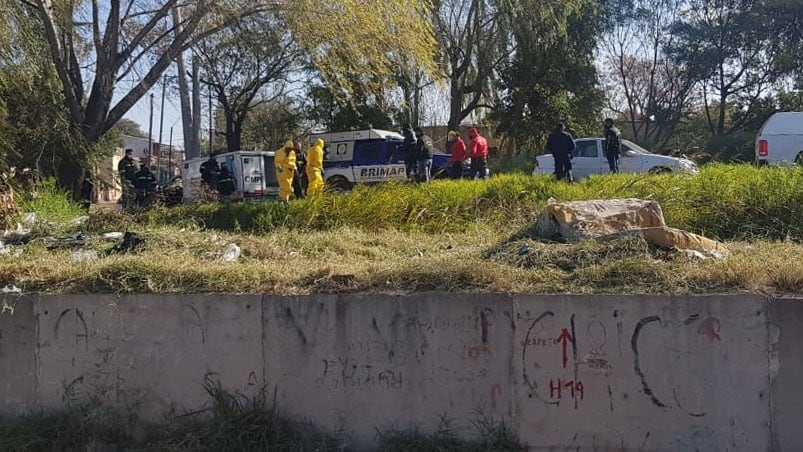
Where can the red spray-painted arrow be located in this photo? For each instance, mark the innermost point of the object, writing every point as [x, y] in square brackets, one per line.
[564, 338]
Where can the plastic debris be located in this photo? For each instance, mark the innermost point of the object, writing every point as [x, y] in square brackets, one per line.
[29, 218]
[231, 253]
[84, 255]
[112, 236]
[79, 221]
[76, 240]
[11, 289]
[131, 242]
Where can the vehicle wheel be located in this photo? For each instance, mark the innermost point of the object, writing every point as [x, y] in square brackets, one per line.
[659, 170]
[337, 185]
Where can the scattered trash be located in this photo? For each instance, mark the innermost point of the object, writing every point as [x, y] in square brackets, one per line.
[7, 250]
[231, 253]
[76, 240]
[79, 221]
[11, 289]
[693, 254]
[84, 255]
[29, 218]
[112, 236]
[131, 242]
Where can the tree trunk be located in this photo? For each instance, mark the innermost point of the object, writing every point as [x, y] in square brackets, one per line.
[195, 129]
[234, 131]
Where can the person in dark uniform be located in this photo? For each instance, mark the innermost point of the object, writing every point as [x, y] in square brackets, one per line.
[210, 171]
[145, 184]
[226, 186]
[127, 168]
[613, 145]
[561, 144]
[300, 179]
[408, 151]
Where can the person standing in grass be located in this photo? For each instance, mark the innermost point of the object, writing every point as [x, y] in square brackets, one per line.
[408, 151]
[210, 171]
[315, 168]
[226, 185]
[424, 149]
[478, 151]
[457, 147]
[128, 174]
[561, 144]
[300, 176]
[145, 183]
[285, 163]
[613, 145]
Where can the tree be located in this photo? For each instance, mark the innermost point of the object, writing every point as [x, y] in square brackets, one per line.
[472, 46]
[550, 75]
[729, 50]
[130, 128]
[270, 124]
[356, 45]
[363, 110]
[644, 87]
[137, 40]
[240, 62]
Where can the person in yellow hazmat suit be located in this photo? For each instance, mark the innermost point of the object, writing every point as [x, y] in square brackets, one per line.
[285, 162]
[315, 168]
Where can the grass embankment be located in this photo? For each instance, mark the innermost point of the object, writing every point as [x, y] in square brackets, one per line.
[230, 423]
[451, 236]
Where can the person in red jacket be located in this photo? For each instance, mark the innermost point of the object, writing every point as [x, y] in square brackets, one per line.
[457, 147]
[478, 151]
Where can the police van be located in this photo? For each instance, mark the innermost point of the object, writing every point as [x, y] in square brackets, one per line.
[253, 173]
[366, 156]
[361, 156]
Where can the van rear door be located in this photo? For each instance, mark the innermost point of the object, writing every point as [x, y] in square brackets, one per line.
[252, 176]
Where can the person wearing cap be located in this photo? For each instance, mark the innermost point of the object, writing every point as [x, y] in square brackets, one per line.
[457, 147]
[315, 168]
[285, 162]
[612, 145]
[424, 150]
[478, 151]
[561, 144]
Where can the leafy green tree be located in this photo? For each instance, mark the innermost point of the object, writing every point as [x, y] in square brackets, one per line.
[363, 111]
[728, 48]
[240, 63]
[131, 128]
[550, 75]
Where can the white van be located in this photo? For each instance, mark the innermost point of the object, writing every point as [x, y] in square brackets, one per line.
[780, 140]
[253, 172]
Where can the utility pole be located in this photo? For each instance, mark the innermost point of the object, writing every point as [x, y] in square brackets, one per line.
[211, 132]
[170, 156]
[161, 126]
[150, 132]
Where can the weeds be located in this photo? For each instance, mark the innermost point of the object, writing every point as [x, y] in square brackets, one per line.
[727, 202]
[233, 422]
[488, 435]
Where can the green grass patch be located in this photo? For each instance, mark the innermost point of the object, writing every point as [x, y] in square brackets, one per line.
[727, 202]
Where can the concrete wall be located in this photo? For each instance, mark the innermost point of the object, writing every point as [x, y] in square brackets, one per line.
[567, 372]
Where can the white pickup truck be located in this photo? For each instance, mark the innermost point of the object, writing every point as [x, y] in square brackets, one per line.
[588, 158]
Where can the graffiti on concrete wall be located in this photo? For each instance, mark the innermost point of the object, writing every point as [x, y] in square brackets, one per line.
[565, 361]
